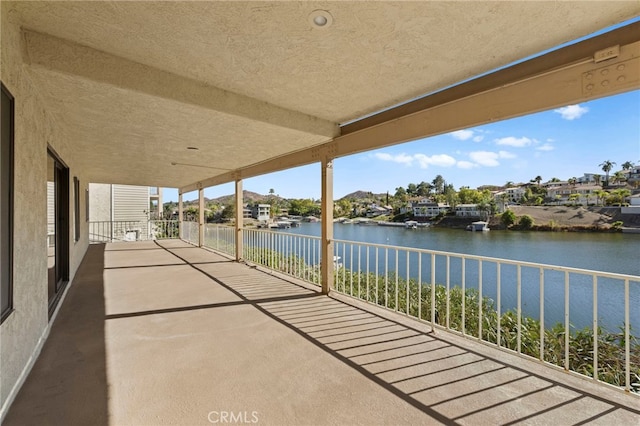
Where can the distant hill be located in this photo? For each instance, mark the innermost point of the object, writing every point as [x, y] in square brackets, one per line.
[362, 195]
[247, 196]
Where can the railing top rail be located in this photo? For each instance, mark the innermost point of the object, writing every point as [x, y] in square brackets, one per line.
[635, 278]
[272, 232]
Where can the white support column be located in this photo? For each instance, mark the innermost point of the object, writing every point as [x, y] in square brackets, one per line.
[326, 241]
[180, 215]
[201, 217]
[239, 219]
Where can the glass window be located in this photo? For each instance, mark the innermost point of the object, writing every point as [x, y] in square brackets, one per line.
[6, 204]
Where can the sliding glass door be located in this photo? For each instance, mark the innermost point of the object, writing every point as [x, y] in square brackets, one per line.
[57, 228]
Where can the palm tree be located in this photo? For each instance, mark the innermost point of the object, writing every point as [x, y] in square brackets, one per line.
[620, 195]
[606, 168]
[600, 195]
[538, 179]
[597, 178]
[627, 165]
[572, 181]
[619, 176]
[573, 198]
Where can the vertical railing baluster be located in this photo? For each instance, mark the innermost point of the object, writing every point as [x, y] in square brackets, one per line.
[420, 285]
[344, 262]
[480, 299]
[595, 328]
[367, 277]
[359, 271]
[397, 308]
[386, 277]
[542, 328]
[448, 283]
[407, 286]
[463, 326]
[519, 309]
[498, 302]
[566, 320]
[377, 275]
[627, 339]
[433, 292]
[350, 269]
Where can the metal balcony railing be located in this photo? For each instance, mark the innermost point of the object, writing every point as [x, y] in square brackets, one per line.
[575, 319]
[133, 230]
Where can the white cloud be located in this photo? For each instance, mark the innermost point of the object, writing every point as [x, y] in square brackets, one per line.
[478, 138]
[462, 135]
[423, 161]
[400, 158]
[506, 154]
[572, 112]
[515, 142]
[485, 158]
[545, 147]
[442, 160]
[466, 165]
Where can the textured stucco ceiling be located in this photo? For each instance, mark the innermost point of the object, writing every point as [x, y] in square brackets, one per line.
[375, 55]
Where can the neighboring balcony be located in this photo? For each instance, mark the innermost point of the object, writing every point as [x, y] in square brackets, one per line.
[163, 332]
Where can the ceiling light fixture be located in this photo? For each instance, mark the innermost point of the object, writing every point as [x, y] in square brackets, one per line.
[320, 19]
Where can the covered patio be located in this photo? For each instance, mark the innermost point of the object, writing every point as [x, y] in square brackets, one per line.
[162, 332]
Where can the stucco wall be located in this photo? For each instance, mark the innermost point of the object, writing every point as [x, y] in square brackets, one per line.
[35, 129]
[100, 202]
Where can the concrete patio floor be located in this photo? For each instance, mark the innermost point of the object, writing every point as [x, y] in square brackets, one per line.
[166, 333]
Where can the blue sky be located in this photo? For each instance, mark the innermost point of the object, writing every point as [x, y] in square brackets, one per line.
[565, 142]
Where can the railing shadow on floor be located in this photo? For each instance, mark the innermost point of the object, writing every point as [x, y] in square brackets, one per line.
[446, 380]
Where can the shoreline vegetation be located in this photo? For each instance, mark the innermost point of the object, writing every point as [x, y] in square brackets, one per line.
[550, 219]
[408, 297]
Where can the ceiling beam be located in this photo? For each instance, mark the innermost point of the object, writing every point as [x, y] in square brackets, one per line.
[66, 57]
[557, 58]
[579, 78]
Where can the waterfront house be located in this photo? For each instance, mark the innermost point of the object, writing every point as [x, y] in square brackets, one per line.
[429, 209]
[191, 95]
[586, 194]
[468, 210]
[261, 212]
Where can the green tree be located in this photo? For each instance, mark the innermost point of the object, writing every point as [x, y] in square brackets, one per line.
[401, 194]
[412, 189]
[438, 184]
[228, 211]
[508, 218]
[423, 189]
[601, 195]
[573, 198]
[597, 178]
[572, 181]
[627, 165]
[606, 168]
[619, 195]
[304, 207]
[525, 222]
[619, 177]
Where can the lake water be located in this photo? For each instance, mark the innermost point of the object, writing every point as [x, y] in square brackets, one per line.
[617, 253]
